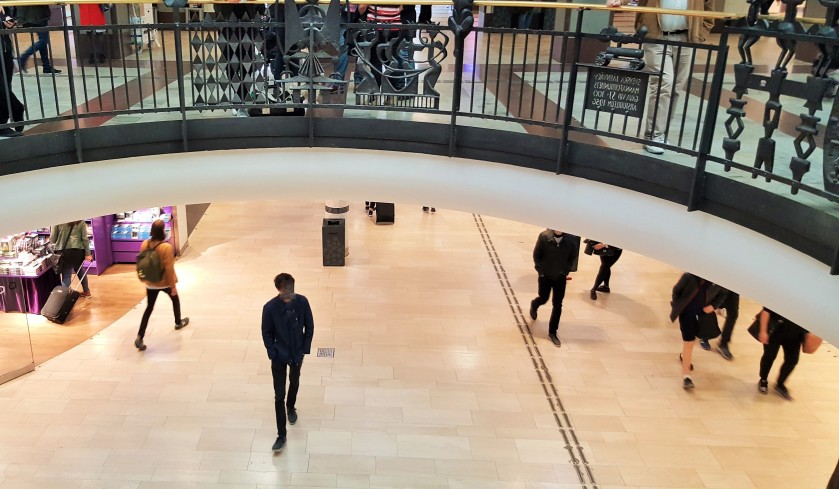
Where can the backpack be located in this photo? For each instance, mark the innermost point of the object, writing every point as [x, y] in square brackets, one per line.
[149, 265]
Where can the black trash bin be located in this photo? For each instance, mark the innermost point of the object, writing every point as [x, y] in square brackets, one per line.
[334, 242]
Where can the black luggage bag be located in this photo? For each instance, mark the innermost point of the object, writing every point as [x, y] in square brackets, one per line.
[384, 213]
[61, 302]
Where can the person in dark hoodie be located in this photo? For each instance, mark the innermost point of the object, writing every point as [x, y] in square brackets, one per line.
[36, 16]
[287, 330]
[692, 297]
[553, 257]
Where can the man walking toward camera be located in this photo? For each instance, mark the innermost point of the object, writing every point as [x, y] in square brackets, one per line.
[287, 329]
[553, 257]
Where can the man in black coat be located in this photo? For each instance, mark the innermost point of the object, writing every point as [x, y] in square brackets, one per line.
[287, 330]
[37, 16]
[554, 257]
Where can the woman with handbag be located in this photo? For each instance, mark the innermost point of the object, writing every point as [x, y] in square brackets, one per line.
[694, 302]
[778, 332]
[73, 247]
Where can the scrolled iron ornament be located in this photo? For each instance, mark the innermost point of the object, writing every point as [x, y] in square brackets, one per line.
[462, 21]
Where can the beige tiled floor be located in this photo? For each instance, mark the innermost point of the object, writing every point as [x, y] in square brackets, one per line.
[431, 385]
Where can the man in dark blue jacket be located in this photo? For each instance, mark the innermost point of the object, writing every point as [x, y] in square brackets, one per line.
[287, 329]
[554, 257]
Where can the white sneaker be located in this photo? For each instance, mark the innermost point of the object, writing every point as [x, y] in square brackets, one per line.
[242, 113]
[655, 149]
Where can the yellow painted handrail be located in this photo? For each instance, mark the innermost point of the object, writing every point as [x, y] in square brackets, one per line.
[480, 3]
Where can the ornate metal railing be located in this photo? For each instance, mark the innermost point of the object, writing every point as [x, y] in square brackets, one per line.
[292, 59]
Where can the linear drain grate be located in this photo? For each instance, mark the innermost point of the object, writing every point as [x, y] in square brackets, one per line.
[326, 352]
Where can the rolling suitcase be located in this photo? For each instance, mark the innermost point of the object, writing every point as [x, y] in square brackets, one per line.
[61, 302]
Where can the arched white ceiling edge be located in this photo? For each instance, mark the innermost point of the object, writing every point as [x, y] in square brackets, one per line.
[737, 258]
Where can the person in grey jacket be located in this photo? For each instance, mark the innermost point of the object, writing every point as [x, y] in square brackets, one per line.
[554, 257]
[287, 331]
[71, 241]
[37, 16]
[692, 297]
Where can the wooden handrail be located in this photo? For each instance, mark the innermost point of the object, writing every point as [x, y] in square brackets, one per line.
[481, 3]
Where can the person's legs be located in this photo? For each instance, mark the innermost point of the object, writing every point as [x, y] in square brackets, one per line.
[176, 305]
[80, 272]
[792, 351]
[424, 14]
[688, 324]
[681, 60]
[658, 59]
[278, 372]
[558, 287]
[151, 298]
[293, 386]
[544, 292]
[66, 275]
[732, 312]
[770, 352]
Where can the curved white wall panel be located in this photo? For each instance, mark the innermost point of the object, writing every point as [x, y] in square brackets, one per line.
[735, 257]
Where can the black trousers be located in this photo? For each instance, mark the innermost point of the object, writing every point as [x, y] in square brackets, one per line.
[546, 286]
[732, 312]
[605, 272]
[281, 401]
[10, 106]
[151, 295]
[792, 351]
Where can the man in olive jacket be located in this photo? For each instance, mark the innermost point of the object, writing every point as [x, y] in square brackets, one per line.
[554, 257]
[287, 330]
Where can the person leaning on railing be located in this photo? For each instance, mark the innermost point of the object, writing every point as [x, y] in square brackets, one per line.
[10, 106]
[380, 56]
[673, 63]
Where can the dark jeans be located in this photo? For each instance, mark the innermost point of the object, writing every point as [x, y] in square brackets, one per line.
[152, 298]
[792, 350]
[281, 402]
[41, 45]
[732, 312]
[425, 14]
[605, 272]
[546, 285]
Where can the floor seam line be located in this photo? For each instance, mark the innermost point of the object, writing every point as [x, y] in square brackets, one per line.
[561, 416]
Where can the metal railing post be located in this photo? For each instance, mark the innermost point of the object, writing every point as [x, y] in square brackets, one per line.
[562, 156]
[697, 188]
[179, 67]
[77, 137]
[461, 21]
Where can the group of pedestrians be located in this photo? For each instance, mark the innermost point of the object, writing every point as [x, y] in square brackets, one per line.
[695, 303]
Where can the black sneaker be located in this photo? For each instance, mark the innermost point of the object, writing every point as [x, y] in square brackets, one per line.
[705, 344]
[533, 311]
[433, 209]
[680, 361]
[603, 289]
[139, 343]
[182, 324]
[725, 352]
[555, 340]
[687, 384]
[425, 209]
[783, 392]
[8, 132]
[292, 416]
[278, 445]
[52, 71]
[593, 294]
[763, 386]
